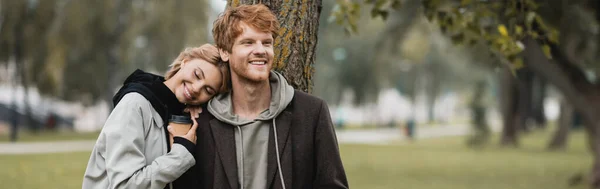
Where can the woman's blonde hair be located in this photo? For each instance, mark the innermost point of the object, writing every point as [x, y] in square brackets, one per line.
[206, 52]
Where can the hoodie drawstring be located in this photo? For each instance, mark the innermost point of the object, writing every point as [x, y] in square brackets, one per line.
[277, 153]
[242, 149]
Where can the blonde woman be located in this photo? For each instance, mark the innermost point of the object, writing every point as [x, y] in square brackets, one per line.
[133, 150]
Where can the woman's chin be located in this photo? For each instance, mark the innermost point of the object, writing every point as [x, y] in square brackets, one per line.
[182, 100]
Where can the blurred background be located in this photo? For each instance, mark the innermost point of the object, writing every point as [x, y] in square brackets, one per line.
[414, 105]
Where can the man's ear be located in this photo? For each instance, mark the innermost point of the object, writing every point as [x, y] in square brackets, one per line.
[224, 55]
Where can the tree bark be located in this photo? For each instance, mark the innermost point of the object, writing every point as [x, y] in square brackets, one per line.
[297, 41]
[565, 121]
[509, 108]
[524, 95]
[539, 94]
[579, 92]
[14, 116]
[434, 85]
[18, 53]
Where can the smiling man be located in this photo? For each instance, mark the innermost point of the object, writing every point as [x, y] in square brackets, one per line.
[263, 134]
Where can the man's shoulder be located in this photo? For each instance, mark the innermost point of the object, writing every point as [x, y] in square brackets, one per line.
[305, 100]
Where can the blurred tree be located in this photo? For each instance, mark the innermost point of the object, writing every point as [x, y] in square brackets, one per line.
[481, 130]
[517, 102]
[326, 84]
[509, 105]
[80, 50]
[404, 55]
[113, 37]
[297, 41]
[19, 43]
[163, 29]
[565, 121]
[515, 28]
[538, 95]
[346, 63]
[82, 55]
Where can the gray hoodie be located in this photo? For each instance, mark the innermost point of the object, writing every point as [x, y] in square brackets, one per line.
[252, 136]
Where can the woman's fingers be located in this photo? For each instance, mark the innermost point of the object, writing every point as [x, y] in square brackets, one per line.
[191, 135]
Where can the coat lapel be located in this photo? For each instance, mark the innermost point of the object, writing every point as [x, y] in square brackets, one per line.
[225, 143]
[283, 124]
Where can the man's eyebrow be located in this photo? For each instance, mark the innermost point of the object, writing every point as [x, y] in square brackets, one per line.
[245, 38]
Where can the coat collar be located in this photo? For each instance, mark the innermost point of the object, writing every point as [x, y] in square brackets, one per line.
[224, 138]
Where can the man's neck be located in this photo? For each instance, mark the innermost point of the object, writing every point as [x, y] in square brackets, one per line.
[250, 98]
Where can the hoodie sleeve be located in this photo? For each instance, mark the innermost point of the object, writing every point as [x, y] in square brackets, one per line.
[330, 171]
[126, 164]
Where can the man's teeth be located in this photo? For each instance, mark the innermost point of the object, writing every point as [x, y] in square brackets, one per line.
[257, 62]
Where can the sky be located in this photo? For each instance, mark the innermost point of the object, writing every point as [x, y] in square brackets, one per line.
[218, 5]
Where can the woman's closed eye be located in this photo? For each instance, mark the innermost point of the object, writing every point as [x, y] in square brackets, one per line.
[199, 73]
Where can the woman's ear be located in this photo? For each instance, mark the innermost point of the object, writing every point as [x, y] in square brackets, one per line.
[224, 55]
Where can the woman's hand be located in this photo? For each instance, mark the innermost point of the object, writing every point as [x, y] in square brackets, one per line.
[193, 110]
[190, 135]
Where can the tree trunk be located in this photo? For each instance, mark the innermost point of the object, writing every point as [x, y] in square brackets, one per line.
[14, 115]
[539, 94]
[18, 52]
[295, 46]
[111, 80]
[591, 126]
[577, 90]
[433, 91]
[565, 121]
[113, 54]
[509, 108]
[524, 95]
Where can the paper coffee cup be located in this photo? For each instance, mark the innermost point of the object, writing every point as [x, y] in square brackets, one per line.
[180, 125]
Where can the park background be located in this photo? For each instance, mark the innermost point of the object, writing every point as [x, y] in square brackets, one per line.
[423, 93]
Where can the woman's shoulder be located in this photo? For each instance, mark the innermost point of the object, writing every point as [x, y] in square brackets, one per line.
[135, 104]
[133, 100]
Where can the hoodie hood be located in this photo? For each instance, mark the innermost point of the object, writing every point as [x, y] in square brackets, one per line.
[281, 95]
[151, 86]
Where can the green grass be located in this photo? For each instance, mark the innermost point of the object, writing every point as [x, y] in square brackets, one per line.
[48, 171]
[397, 125]
[50, 136]
[448, 163]
[443, 163]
